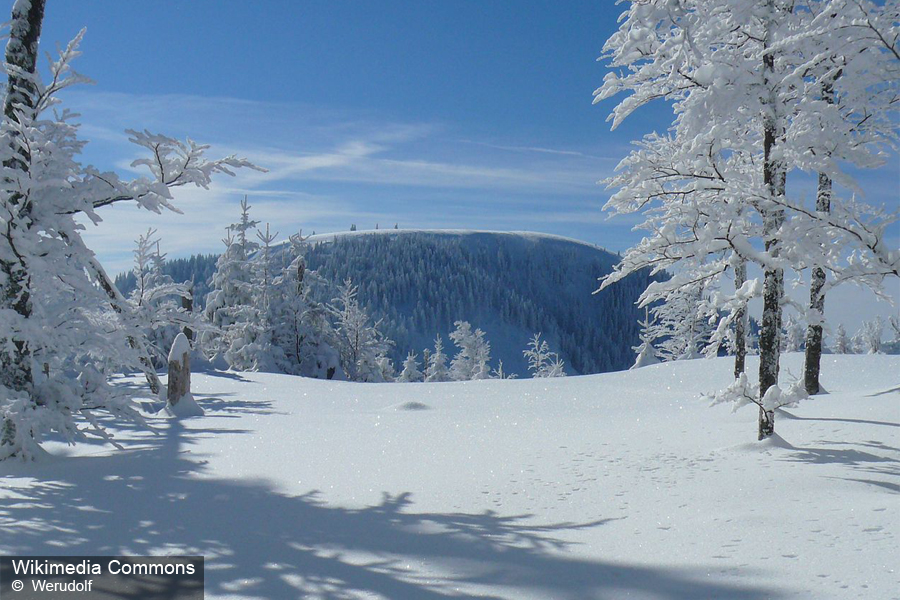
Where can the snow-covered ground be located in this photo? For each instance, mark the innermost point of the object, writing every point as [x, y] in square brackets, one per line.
[621, 485]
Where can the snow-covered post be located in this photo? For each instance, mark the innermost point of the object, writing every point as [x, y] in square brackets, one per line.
[179, 384]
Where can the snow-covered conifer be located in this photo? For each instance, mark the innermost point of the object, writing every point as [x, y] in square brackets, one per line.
[842, 343]
[869, 336]
[361, 344]
[794, 335]
[238, 305]
[500, 373]
[646, 354]
[301, 328]
[471, 362]
[410, 371]
[156, 301]
[436, 369]
[384, 371]
[230, 303]
[682, 329]
[541, 361]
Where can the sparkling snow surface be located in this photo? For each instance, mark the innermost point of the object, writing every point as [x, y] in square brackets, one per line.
[620, 485]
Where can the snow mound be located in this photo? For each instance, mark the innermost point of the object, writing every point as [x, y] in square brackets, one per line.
[771, 443]
[413, 405]
[186, 407]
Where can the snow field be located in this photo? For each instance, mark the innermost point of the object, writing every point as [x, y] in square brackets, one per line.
[607, 486]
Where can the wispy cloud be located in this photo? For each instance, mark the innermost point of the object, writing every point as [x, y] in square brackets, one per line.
[539, 150]
[328, 169]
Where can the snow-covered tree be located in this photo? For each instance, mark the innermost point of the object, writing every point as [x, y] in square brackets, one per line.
[842, 343]
[682, 326]
[646, 354]
[436, 369]
[410, 372]
[402, 279]
[500, 373]
[384, 371]
[869, 337]
[157, 301]
[745, 82]
[471, 362]
[301, 328]
[239, 304]
[541, 361]
[892, 346]
[229, 306]
[264, 274]
[794, 335]
[361, 344]
[63, 324]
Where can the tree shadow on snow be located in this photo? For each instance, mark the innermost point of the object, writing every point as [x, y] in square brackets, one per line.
[857, 456]
[888, 391]
[211, 372]
[223, 406]
[260, 542]
[794, 417]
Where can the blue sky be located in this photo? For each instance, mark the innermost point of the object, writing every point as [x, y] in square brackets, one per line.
[437, 114]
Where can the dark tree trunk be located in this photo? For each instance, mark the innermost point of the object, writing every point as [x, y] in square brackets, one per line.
[773, 217]
[187, 303]
[15, 292]
[21, 97]
[740, 323]
[21, 52]
[817, 283]
[816, 302]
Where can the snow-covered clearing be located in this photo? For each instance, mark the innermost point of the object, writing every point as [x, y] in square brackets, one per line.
[606, 486]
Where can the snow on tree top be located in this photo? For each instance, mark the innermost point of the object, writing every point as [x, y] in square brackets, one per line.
[180, 347]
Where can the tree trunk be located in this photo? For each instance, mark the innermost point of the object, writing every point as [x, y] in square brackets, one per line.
[187, 303]
[15, 291]
[740, 322]
[817, 283]
[773, 217]
[766, 423]
[816, 302]
[21, 96]
[118, 304]
[21, 52]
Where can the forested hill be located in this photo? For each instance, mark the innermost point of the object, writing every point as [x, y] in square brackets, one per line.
[510, 285]
[198, 268]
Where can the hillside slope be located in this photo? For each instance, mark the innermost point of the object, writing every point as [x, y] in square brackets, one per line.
[511, 285]
[619, 485]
